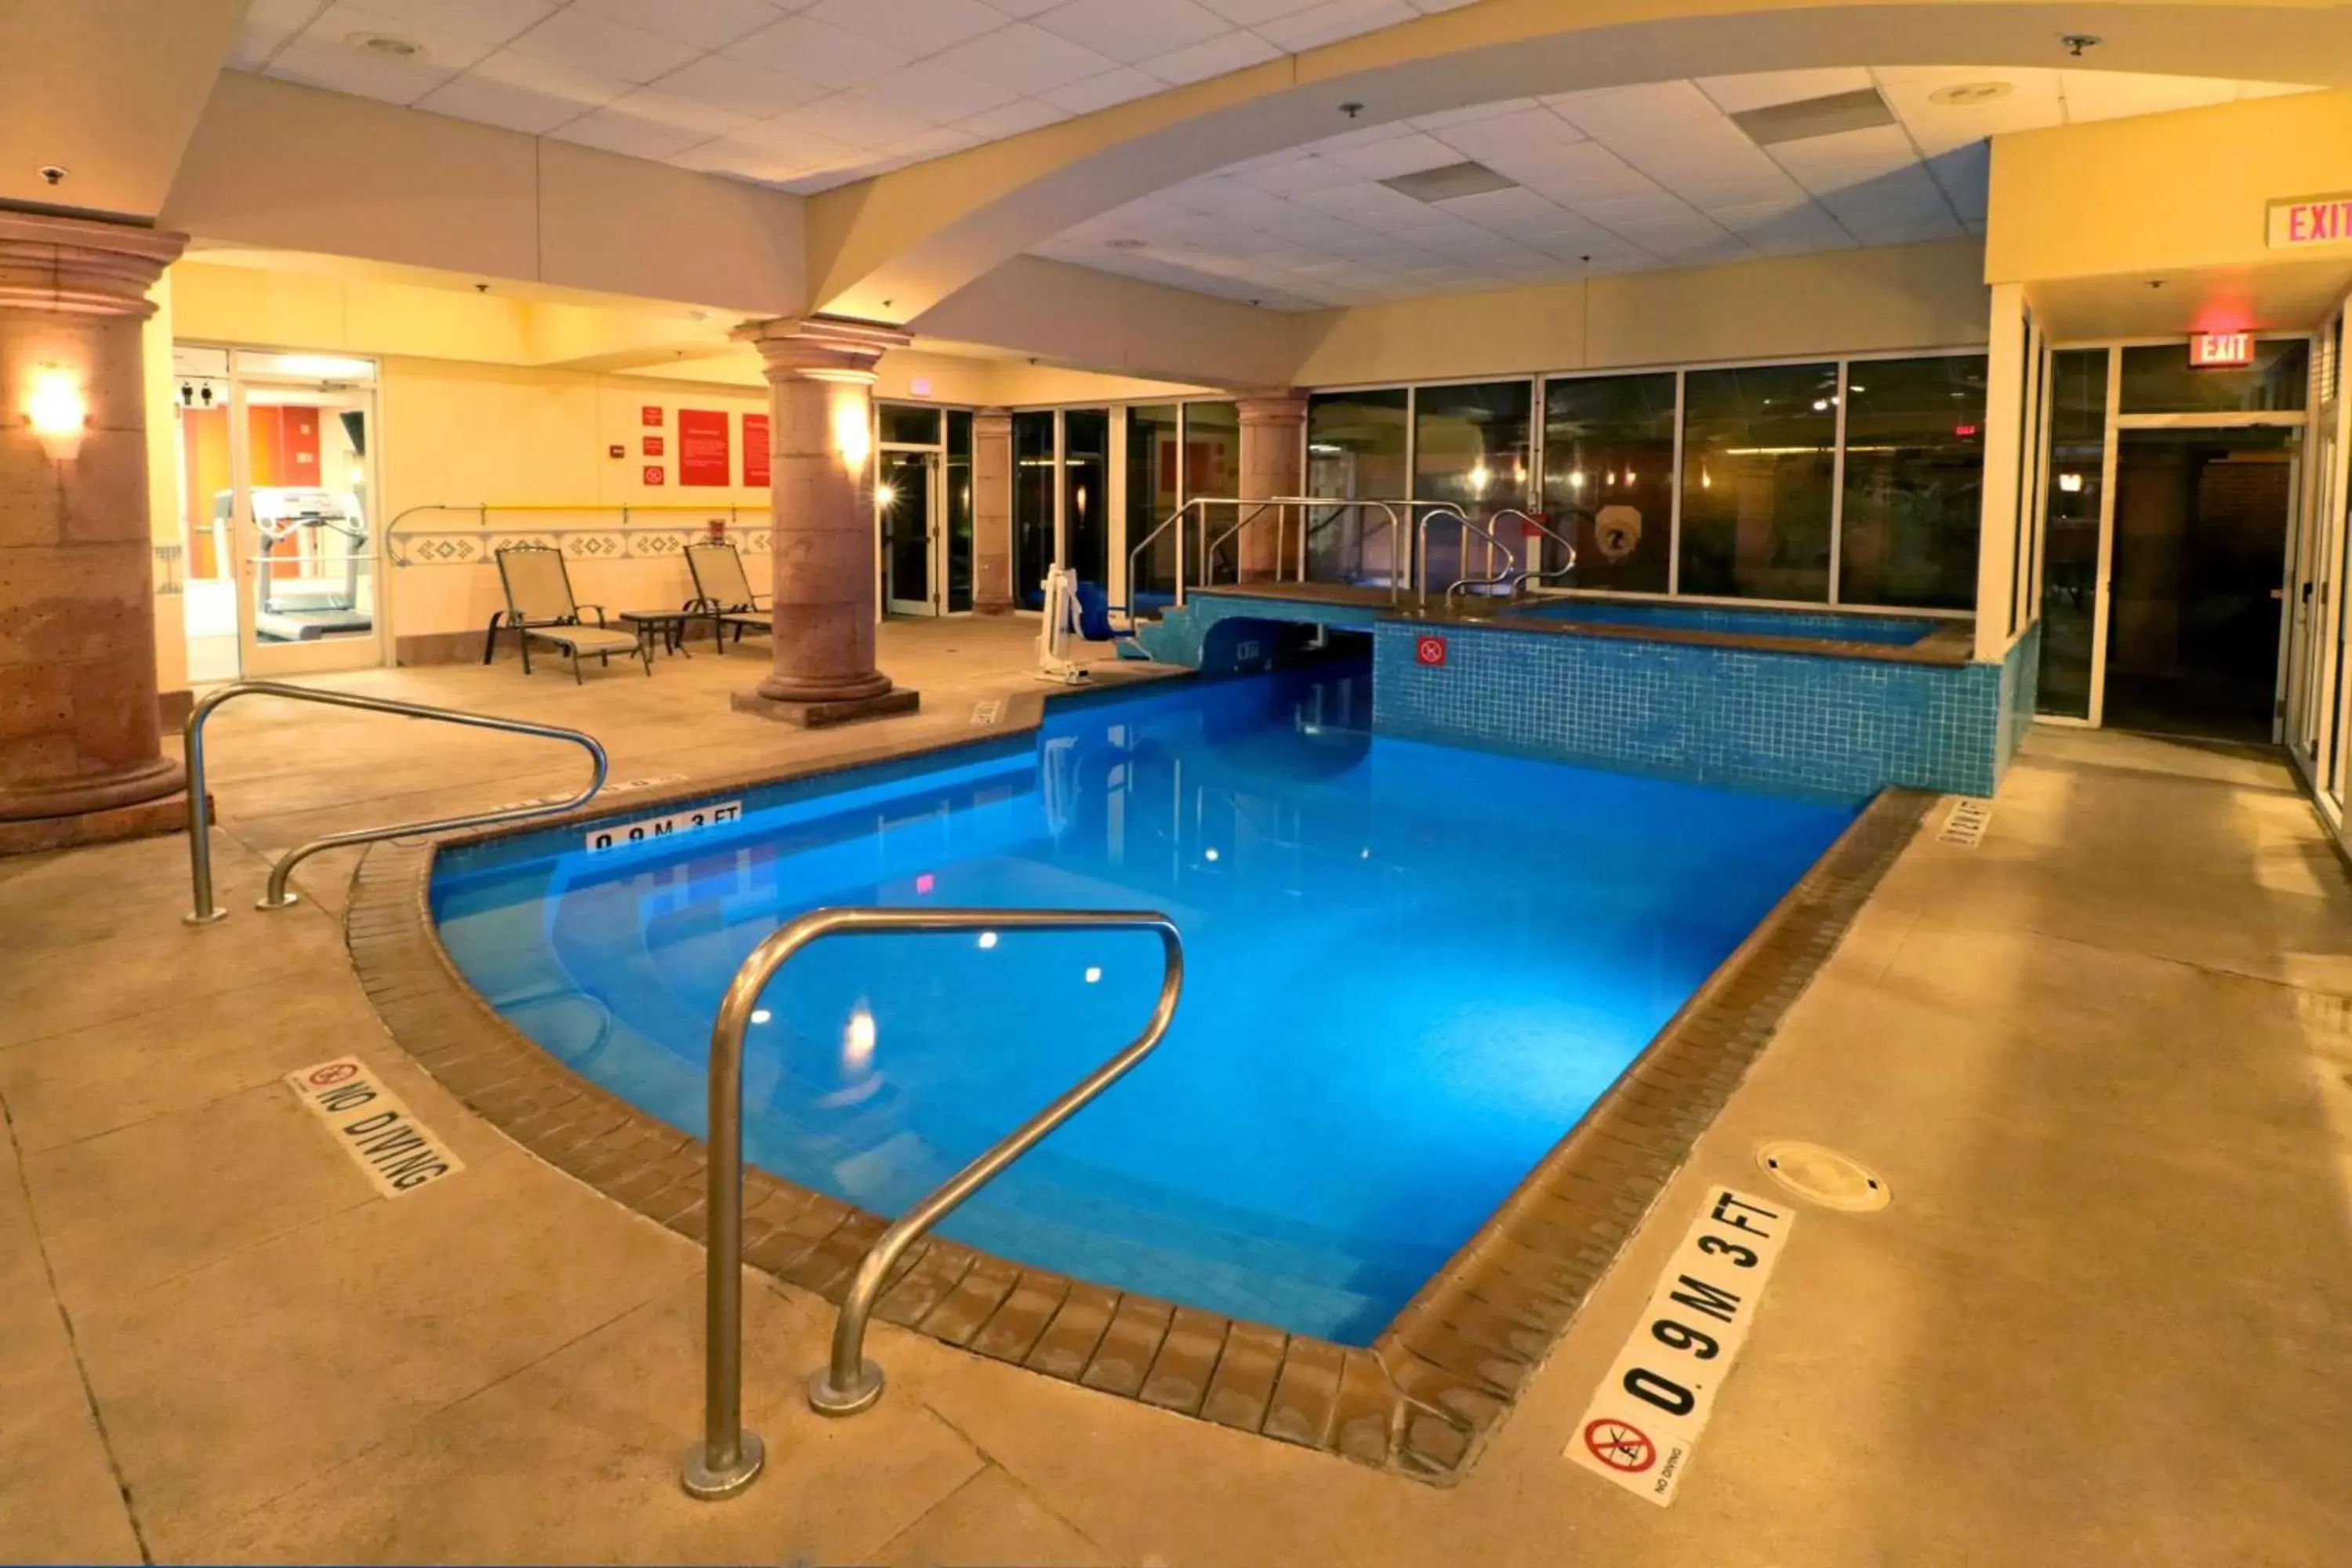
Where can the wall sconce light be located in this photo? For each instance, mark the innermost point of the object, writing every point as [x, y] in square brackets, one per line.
[852, 417]
[57, 413]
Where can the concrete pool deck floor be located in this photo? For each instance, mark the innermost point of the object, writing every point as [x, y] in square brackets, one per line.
[2104, 1060]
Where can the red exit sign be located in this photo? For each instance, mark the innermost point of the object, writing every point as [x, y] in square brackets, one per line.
[2218, 351]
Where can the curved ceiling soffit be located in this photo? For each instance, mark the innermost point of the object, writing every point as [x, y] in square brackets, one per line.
[891, 248]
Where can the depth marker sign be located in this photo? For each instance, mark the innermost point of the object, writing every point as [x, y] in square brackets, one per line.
[397, 1152]
[1647, 1415]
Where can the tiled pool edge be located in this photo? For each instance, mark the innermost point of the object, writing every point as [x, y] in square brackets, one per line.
[1419, 1402]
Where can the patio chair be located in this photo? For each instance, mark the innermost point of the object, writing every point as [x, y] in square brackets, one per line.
[540, 608]
[722, 591]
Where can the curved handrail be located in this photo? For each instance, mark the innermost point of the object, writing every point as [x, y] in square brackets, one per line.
[1135, 554]
[1208, 562]
[200, 849]
[1535, 520]
[728, 1458]
[1510, 574]
[1337, 506]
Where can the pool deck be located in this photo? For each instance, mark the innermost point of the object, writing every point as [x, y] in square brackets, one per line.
[2104, 1060]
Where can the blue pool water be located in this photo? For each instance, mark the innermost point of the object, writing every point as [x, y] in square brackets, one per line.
[1892, 630]
[1410, 970]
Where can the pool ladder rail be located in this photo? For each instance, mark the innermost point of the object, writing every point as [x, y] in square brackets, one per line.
[729, 1458]
[203, 911]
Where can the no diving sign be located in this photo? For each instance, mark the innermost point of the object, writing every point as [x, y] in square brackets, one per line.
[396, 1150]
[1649, 1411]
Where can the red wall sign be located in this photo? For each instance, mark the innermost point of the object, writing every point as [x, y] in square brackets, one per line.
[655, 475]
[1429, 652]
[653, 445]
[2216, 351]
[702, 455]
[650, 414]
[755, 448]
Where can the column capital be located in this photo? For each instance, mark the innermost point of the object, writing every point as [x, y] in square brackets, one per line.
[821, 348]
[1272, 405]
[81, 266]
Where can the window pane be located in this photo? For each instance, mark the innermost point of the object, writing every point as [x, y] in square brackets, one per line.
[1356, 450]
[910, 424]
[959, 515]
[1609, 479]
[1033, 507]
[1085, 474]
[1213, 467]
[1914, 481]
[2157, 379]
[2078, 439]
[1757, 469]
[1471, 446]
[1151, 485]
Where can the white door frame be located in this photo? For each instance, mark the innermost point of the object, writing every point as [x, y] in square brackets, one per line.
[935, 535]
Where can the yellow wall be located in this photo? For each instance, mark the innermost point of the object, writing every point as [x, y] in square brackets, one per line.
[1841, 301]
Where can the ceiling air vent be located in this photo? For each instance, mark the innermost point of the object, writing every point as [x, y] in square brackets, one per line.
[1809, 117]
[1454, 180]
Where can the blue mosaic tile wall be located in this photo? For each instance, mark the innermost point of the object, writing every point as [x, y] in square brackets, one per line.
[2021, 694]
[1189, 636]
[1844, 726]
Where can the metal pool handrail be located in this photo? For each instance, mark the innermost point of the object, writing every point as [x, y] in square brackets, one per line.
[1421, 554]
[1536, 521]
[200, 844]
[728, 1458]
[1389, 515]
[1135, 555]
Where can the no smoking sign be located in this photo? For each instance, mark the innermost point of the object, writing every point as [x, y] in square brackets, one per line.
[1428, 651]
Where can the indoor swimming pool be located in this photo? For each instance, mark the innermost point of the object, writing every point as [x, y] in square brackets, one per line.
[1411, 969]
[1820, 625]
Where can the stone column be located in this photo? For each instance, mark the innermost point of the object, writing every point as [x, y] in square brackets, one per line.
[80, 742]
[827, 560]
[1273, 429]
[992, 513]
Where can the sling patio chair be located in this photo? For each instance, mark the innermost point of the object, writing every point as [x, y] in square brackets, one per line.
[723, 592]
[540, 608]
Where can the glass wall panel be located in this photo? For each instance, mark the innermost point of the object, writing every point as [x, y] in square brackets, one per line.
[1913, 482]
[1757, 473]
[1153, 486]
[1212, 466]
[1471, 448]
[2157, 379]
[2078, 441]
[1356, 446]
[1033, 507]
[1609, 479]
[1086, 479]
[908, 423]
[959, 508]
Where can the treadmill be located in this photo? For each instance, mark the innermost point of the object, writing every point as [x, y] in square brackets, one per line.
[307, 608]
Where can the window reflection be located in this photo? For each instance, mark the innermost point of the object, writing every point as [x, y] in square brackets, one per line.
[1085, 492]
[1758, 465]
[1356, 448]
[1609, 479]
[1914, 481]
[1152, 456]
[1033, 507]
[2078, 430]
[1471, 450]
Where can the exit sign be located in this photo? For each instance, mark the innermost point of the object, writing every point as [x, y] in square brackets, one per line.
[2217, 351]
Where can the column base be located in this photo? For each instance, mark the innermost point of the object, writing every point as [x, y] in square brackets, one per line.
[109, 824]
[821, 715]
[992, 606]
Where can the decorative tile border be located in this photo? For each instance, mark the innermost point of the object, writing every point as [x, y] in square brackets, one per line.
[1420, 1402]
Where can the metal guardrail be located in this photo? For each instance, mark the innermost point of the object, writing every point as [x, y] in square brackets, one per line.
[200, 851]
[728, 1458]
[1535, 520]
[1510, 574]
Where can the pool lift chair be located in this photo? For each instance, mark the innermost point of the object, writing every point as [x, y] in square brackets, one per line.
[540, 608]
[1079, 611]
[723, 593]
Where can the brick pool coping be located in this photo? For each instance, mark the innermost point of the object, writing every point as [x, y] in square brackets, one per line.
[1419, 1401]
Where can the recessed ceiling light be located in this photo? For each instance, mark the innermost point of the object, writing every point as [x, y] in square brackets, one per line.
[390, 44]
[1860, 110]
[1963, 92]
[1450, 182]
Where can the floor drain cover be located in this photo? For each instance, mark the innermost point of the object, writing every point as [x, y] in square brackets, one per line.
[1824, 1177]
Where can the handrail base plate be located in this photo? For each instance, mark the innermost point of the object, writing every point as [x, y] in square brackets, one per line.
[827, 1400]
[193, 919]
[709, 1484]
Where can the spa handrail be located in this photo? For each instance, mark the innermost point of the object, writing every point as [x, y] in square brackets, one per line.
[1207, 565]
[1389, 516]
[1510, 574]
[1535, 520]
[200, 849]
[1135, 554]
[728, 1458]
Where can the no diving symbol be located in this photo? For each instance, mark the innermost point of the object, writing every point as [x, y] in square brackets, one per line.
[1620, 1446]
[1428, 651]
[333, 1073]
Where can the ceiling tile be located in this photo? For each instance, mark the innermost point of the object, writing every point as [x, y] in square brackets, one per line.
[1130, 31]
[320, 62]
[1094, 92]
[1758, 89]
[1623, 110]
[486, 102]
[1510, 135]
[728, 83]
[1307, 173]
[913, 28]
[1331, 21]
[345, 22]
[1025, 59]
[1250, 13]
[1227, 52]
[706, 23]
[615, 131]
[937, 95]
[1404, 155]
[1021, 115]
[811, 51]
[484, 21]
[684, 113]
[1439, 122]
[608, 48]
[268, 25]
[868, 116]
[2110, 95]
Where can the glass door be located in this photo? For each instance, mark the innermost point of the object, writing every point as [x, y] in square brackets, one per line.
[300, 520]
[914, 545]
